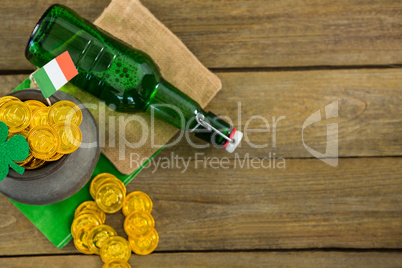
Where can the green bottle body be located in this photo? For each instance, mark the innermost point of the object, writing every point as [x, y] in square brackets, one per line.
[125, 78]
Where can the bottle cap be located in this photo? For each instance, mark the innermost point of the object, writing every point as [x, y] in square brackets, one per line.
[137, 201]
[236, 137]
[144, 245]
[98, 235]
[139, 224]
[115, 248]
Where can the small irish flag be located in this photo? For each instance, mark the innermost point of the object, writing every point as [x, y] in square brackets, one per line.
[55, 74]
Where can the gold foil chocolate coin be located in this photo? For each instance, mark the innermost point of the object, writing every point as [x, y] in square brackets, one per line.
[81, 239]
[98, 235]
[34, 104]
[27, 160]
[114, 180]
[137, 201]
[91, 206]
[116, 264]
[6, 99]
[115, 248]
[110, 197]
[34, 163]
[85, 219]
[70, 137]
[144, 245]
[97, 181]
[24, 133]
[16, 115]
[139, 224]
[65, 111]
[40, 117]
[55, 157]
[43, 142]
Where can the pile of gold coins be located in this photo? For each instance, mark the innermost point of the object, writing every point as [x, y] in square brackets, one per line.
[51, 131]
[91, 234]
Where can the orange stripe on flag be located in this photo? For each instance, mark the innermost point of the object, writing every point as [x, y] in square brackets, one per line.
[67, 65]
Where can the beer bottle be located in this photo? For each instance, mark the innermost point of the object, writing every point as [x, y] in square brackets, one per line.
[121, 76]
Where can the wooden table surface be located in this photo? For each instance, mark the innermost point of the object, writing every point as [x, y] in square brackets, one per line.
[280, 59]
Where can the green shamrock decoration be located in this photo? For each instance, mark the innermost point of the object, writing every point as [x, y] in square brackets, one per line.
[14, 149]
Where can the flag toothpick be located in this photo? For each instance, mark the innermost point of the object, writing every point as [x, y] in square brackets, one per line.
[55, 74]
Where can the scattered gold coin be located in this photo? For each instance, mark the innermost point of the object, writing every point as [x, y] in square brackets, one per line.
[103, 178]
[98, 235]
[97, 180]
[87, 218]
[91, 206]
[139, 224]
[116, 264]
[144, 245]
[102, 239]
[137, 201]
[81, 238]
[110, 197]
[115, 248]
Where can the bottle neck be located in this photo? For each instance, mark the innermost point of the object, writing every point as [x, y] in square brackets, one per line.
[173, 106]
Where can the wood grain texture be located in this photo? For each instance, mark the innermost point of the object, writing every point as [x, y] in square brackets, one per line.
[242, 206]
[307, 205]
[18, 18]
[238, 33]
[369, 122]
[223, 260]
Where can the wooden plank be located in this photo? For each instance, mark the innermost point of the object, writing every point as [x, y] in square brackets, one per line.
[18, 18]
[306, 205]
[369, 122]
[251, 33]
[241, 259]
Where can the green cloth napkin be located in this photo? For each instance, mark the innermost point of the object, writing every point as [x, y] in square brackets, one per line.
[54, 220]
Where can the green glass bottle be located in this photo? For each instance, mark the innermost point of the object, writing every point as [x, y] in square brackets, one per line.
[121, 75]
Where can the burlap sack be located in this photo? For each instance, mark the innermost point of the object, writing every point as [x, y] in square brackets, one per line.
[131, 22]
